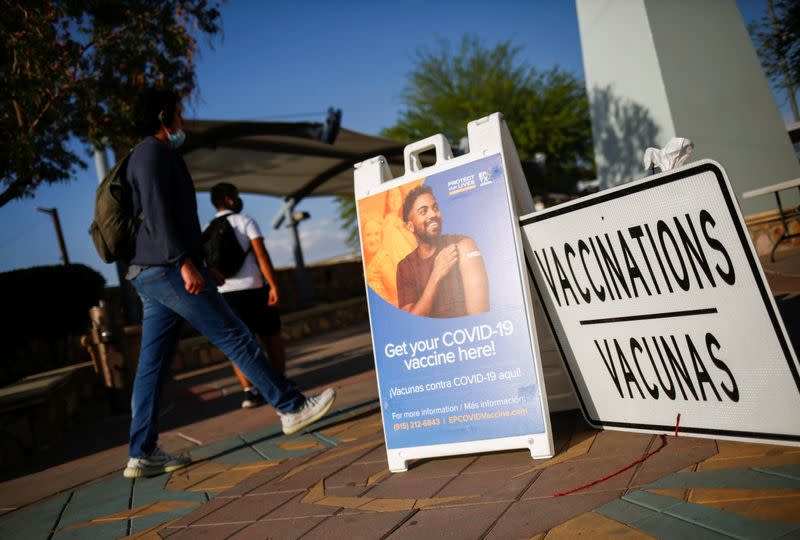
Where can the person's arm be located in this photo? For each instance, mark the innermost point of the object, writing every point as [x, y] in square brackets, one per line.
[473, 276]
[260, 251]
[192, 278]
[442, 264]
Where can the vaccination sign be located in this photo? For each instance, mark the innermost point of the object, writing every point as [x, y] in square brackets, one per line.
[451, 331]
[660, 307]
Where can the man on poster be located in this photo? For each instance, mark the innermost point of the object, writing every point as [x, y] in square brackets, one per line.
[445, 275]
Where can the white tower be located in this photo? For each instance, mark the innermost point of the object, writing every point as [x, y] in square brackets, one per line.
[687, 68]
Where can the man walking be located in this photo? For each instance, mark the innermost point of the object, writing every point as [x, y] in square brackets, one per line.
[168, 272]
[252, 291]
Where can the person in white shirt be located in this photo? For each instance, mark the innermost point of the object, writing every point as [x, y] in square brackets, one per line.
[253, 291]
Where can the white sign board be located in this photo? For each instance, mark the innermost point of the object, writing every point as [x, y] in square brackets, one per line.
[660, 307]
[456, 357]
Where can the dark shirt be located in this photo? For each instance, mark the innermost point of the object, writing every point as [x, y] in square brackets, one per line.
[163, 192]
[412, 276]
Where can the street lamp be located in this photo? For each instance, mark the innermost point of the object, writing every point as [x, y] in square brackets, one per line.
[57, 223]
[295, 218]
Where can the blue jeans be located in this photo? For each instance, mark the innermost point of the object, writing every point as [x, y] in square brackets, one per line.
[166, 304]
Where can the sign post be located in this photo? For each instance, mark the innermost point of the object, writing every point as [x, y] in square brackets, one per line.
[660, 307]
[456, 356]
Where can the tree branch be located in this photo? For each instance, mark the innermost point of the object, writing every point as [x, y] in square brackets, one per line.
[53, 99]
[41, 114]
[13, 191]
[18, 110]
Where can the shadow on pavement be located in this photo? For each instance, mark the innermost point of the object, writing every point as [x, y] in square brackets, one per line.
[209, 392]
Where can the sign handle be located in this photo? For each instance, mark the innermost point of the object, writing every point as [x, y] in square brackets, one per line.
[412, 151]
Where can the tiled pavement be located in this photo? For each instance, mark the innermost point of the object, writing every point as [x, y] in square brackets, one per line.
[333, 482]
[692, 488]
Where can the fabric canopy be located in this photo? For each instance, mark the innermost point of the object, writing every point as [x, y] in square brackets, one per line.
[283, 159]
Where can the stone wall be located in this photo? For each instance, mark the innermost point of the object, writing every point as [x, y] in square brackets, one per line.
[330, 282]
[38, 410]
[196, 351]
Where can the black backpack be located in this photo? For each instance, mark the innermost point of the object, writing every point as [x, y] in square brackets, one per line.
[222, 248]
[115, 225]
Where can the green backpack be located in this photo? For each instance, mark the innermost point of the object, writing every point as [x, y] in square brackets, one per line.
[115, 225]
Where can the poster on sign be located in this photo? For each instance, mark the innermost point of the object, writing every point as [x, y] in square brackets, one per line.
[660, 307]
[455, 356]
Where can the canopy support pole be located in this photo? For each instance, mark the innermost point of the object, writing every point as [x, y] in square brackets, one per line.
[287, 213]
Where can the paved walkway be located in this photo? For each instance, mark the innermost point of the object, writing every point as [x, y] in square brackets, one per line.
[250, 481]
[333, 482]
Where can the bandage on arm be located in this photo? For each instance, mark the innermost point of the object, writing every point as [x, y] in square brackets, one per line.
[475, 280]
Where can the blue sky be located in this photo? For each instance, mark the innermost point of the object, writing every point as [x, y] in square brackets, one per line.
[277, 59]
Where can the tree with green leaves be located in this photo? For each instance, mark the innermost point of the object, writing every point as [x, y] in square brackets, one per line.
[72, 69]
[777, 39]
[546, 112]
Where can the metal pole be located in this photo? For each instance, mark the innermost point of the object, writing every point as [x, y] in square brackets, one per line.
[286, 213]
[297, 250]
[100, 163]
[61, 245]
[57, 223]
[306, 294]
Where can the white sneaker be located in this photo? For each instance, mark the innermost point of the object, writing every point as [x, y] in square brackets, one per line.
[312, 410]
[156, 463]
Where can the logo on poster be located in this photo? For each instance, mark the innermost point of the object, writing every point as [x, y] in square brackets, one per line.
[460, 185]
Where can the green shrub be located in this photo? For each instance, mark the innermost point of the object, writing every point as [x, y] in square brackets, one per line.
[46, 309]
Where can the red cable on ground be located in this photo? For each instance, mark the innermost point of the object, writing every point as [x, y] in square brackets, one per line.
[612, 475]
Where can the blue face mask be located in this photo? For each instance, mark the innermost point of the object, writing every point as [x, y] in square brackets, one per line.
[176, 139]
